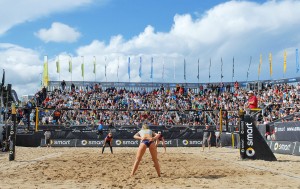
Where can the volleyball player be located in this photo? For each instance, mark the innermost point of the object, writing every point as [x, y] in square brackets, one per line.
[160, 139]
[108, 140]
[147, 137]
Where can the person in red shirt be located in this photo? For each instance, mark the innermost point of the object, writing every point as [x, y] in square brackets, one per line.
[108, 140]
[252, 100]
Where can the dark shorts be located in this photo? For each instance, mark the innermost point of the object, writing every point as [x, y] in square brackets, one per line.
[147, 142]
[108, 143]
[48, 141]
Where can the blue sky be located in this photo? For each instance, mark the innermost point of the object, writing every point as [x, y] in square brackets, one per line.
[169, 30]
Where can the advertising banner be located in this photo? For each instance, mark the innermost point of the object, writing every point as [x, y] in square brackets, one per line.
[252, 144]
[283, 147]
[126, 143]
[296, 151]
[89, 143]
[60, 143]
[287, 131]
[189, 143]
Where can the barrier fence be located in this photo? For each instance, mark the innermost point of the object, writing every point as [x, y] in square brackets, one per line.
[119, 143]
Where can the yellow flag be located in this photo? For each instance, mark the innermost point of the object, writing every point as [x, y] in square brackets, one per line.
[94, 70]
[270, 60]
[284, 62]
[70, 64]
[57, 66]
[260, 63]
[82, 67]
[45, 72]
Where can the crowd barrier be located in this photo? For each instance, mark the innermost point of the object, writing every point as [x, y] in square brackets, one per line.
[118, 143]
[285, 147]
[287, 131]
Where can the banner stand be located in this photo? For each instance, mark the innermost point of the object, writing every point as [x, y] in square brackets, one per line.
[252, 144]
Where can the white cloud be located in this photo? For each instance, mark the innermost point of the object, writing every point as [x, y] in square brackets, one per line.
[239, 29]
[58, 33]
[22, 68]
[17, 12]
[236, 28]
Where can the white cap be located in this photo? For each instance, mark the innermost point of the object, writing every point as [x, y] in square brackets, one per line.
[250, 92]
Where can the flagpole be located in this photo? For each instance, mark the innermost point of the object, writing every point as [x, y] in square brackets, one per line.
[209, 70]
[249, 68]
[198, 71]
[58, 69]
[163, 71]
[70, 65]
[105, 70]
[118, 70]
[174, 70]
[82, 70]
[232, 70]
[95, 65]
[221, 70]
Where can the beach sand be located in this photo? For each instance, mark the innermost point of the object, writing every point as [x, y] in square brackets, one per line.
[180, 167]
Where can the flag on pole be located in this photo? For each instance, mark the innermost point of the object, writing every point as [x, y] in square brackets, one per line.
[70, 64]
[209, 68]
[174, 69]
[118, 69]
[82, 67]
[57, 66]
[270, 61]
[260, 63]
[3, 78]
[140, 68]
[151, 71]
[184, 70]
[163, 70]
[94, 63]
[45, 72]
[198, 70]
[105, 69]
[284, 62]
[297, 61]
[233, 68]
[221, 68]
[129, 67]
[248, 71]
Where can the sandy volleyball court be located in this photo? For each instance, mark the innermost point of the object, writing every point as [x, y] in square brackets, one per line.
[181, 168]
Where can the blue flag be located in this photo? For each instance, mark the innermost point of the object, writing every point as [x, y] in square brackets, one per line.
[151, 73]
[297, 60]
[140, 69]
[129, 67]
[184, 67]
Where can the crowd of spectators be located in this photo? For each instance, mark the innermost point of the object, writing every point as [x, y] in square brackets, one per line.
[162, 106]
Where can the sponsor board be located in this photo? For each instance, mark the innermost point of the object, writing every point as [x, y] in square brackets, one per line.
[189, 143]
[60, 142]
[170, 143]
[89, 143]
[287, 131]
[126, 143]
[283, 147]
[252, 144]
[296, 151]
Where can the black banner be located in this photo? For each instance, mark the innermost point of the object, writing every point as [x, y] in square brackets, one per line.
[252, 144]
[296, 151]
[59, 143]
[89, 143]
[126, 143]
[287, 131]
[189, 143]
[283, 147]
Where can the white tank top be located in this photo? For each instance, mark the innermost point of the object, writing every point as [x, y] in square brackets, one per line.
[147, 133]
